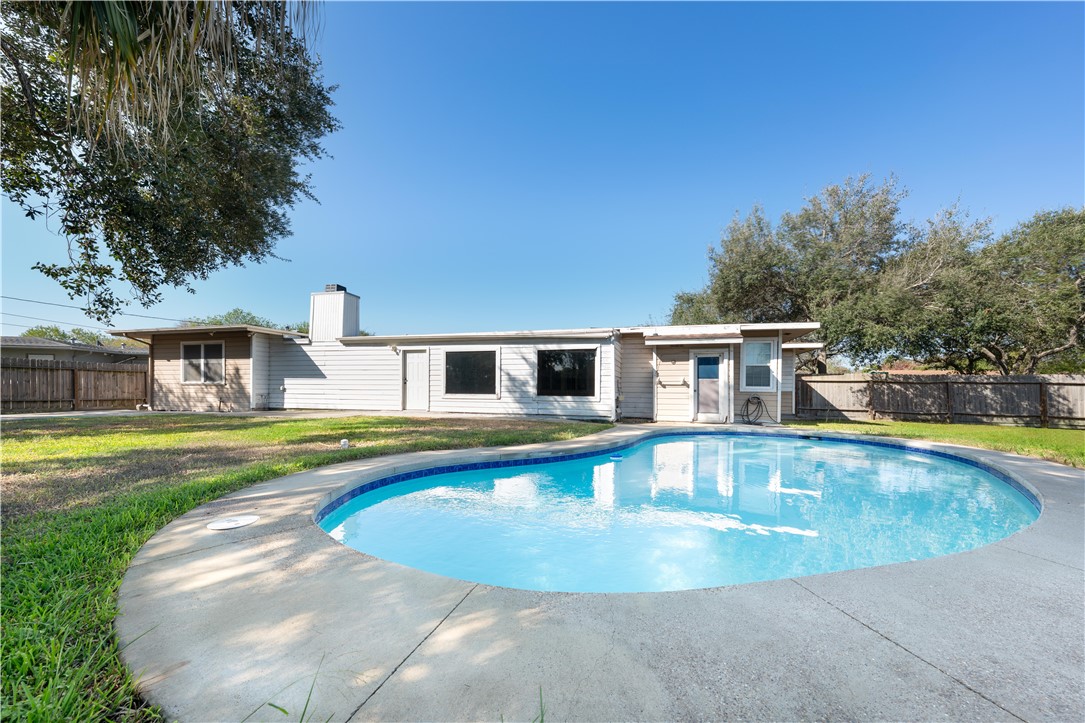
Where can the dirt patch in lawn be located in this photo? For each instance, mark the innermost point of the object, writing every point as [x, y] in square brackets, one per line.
[51, 465]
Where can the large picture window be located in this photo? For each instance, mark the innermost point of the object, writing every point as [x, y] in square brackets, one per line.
[471, 372]
[757, 358]
[203, 363]
[566, 373]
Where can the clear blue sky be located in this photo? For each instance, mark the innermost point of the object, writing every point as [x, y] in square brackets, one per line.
[563, 165]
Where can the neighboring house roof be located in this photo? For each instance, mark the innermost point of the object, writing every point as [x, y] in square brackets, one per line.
[32, 342]
[148, 333]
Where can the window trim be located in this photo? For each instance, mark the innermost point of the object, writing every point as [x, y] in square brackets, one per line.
[497, 371]
[203, 363]
[773, 365]
[597, 348]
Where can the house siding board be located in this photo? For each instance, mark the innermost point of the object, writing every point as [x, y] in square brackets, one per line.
[616, 346]
[170, 393]
[768, 398]
[518, 374]
[637, 378]
[672, 394]
[332, 376]
[261, 352]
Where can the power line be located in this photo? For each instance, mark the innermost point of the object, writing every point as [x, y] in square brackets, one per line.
[69, 306]
[53, 321]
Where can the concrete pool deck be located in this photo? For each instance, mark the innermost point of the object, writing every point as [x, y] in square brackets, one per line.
[219, 625]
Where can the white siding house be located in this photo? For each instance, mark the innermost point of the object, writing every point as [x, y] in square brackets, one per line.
[703, 373]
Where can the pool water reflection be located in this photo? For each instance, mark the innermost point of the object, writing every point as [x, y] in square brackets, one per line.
[684, 512]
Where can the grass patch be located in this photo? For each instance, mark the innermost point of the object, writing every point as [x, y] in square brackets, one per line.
[82, 495]
[1066, 446]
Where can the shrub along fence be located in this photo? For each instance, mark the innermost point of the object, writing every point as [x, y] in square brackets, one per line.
[1048, 400]
[32, 385]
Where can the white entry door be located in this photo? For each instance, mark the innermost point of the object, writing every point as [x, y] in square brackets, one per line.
[415, 380]
[711, 387]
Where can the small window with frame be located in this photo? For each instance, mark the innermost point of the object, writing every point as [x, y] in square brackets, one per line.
[203, 363]
[757, 362]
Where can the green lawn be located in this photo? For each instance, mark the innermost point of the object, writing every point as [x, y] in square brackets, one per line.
[1058, 445]
[82, 495]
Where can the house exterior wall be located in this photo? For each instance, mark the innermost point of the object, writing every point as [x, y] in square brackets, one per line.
[261, 357]
[518, 367]
[329, 375]
[788, 383]
[673, 390]
[15, 352]
[768, 398]
[267, 371]
[171, 393]
[637, 378]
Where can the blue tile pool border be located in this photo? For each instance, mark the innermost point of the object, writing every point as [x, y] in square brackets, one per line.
[380, 482]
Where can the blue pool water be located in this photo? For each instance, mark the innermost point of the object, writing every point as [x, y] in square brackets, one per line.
[685, 512]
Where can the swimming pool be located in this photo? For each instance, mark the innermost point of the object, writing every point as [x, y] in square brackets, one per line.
[680, 512]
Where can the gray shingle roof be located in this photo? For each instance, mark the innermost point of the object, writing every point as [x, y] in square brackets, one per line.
[31, 342]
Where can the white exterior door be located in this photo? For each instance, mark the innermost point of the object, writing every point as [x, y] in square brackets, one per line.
[415, 380]
[711, 387]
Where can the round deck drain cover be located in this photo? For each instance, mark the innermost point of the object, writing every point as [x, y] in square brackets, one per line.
[229, 523]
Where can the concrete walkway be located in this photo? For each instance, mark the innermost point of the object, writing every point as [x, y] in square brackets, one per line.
[217, 625]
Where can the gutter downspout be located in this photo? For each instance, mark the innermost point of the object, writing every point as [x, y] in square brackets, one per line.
[655, 384]
[780, 376]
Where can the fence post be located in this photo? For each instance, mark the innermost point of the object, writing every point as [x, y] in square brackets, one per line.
[75, 388]
[1044, 421]
[870, 400]
[949, 400]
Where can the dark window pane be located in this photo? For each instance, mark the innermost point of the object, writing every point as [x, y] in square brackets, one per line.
[708, 367]
[192, 366]
[212, 351]
[470, 372]
[214, 371]
[567, 373]
[758, 377]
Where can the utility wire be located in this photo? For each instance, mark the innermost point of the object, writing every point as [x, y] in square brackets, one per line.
[69, 306]
[54, 321]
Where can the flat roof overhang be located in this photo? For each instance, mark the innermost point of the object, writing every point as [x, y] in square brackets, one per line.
[701, 334]
[146, 334]
[668, 340]
[484, 337]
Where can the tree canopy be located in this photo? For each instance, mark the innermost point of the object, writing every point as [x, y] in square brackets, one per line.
[190, 158]
[81, 336]
[944, 292]
[235, 316]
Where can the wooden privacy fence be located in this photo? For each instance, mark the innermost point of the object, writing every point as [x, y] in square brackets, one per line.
[1048, 400]
[31, 385]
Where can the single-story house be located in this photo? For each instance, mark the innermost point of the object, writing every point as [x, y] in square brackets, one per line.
[666, 373]
[36, 348]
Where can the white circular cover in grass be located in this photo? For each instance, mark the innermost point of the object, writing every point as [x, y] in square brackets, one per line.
[231, 523]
